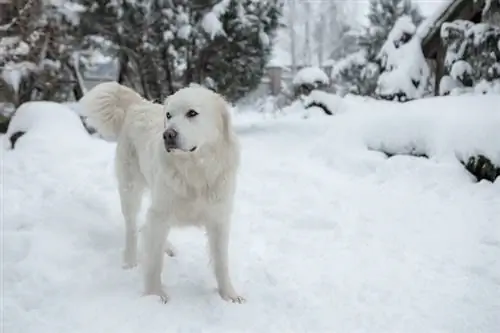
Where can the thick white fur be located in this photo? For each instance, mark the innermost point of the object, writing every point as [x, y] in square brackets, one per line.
[187, 188]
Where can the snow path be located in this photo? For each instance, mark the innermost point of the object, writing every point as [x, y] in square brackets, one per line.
[319, 244]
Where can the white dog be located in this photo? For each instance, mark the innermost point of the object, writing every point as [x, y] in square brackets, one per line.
[187, 154]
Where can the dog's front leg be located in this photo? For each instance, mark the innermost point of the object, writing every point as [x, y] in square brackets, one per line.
[154, 242]
[218, 238]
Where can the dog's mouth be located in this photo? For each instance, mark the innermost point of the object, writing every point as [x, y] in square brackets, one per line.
[172, 148]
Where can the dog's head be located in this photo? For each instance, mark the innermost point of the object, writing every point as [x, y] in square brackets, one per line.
[194, 117]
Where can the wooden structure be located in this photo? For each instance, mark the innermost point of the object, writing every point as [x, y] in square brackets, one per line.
[432, 46]
[5, 11]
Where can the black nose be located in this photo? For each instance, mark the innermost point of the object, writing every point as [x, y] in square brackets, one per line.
[170, 134]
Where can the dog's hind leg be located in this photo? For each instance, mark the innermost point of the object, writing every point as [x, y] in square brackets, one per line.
[131, 185]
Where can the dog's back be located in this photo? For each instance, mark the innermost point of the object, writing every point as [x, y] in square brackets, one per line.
[120, 114]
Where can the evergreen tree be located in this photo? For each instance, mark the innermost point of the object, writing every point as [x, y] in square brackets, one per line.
[163, 45]
[405, 74]
[361, 76]
[472, 61]
[382, 16]
[243, 52]
[36, 52]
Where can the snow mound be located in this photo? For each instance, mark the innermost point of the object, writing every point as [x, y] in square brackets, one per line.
[442, 128]
[310, 76]
[330, 103]
[46, 120]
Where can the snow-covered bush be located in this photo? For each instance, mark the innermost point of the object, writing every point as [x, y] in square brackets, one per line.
[405, 73]
[330, 104]
[464, 129]
[47, 119]
[472, 61]
[355, 75]
[308, 79]
[358, 73]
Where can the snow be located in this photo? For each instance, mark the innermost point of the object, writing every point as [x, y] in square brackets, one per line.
[327, 235]
[356, 58]
[404, 25]
[435, 20]
[264, 38]
[333, 102]
[448, 84]
[210, 21]
[461, 68]
[47, 119]
[13, 72]
[485, 87]
[212, 26]
[310, 75]
[405, 67]
[13, 46]
[478, 32]
[184, 32]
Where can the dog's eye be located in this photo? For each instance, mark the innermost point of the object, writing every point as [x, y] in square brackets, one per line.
[191, 114]
[169, 115]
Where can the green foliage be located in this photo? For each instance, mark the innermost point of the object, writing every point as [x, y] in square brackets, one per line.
[165, 45]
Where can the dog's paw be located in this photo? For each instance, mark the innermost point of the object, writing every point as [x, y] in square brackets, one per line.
[163, 297]
[128, 265]
[169, 249]
[232, 297]
[129, 262]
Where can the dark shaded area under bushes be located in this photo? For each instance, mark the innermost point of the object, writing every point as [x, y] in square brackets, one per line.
[480, 166]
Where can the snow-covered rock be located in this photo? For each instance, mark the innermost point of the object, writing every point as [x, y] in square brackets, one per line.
[44, 121]
[311, 76]
[308, 79]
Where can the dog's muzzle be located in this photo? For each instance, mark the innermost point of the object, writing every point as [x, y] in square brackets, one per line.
[170, 139]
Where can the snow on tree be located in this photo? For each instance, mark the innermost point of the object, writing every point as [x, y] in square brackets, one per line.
[354, 74]
[405, 73]
[382, 16]
[165, 45]
[242, 54]
[472, 56]
[36, 51]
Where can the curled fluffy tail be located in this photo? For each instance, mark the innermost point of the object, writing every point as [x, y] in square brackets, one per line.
[105, 107]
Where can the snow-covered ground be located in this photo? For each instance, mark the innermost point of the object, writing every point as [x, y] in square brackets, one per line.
[328, 236]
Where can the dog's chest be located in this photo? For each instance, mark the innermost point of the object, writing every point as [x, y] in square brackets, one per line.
[190, 211]
[197, 198]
